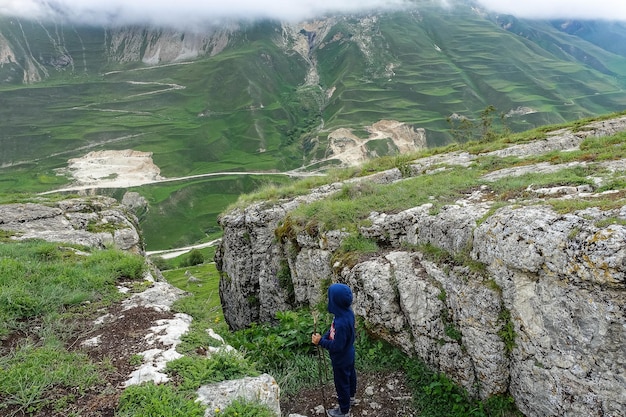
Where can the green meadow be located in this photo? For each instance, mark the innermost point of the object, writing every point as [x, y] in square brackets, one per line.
[248, 109]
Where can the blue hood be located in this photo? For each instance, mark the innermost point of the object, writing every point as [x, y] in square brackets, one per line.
[339, 299]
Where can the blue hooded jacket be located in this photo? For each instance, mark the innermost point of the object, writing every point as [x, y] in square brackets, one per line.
[339, 340]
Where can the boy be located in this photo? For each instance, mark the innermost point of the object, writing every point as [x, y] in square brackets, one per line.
[339, 341]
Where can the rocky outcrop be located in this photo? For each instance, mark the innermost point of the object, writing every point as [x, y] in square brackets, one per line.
[262, 389]
[101, 222]
[537, 309]
[94, 221]
[157, 46]
[24, 61]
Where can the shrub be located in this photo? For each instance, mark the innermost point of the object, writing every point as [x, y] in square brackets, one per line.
[150, 400]
[195, 257]
[273, 346]
[160, 263]
[198, 371]
[244, 408]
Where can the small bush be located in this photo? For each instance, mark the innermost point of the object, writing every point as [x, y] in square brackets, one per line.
[195, 257]
[273, 346]
[160, 263]
[243, 408]
[198, 371]
[150, 400]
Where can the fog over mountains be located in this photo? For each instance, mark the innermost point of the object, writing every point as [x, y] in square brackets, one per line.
[278, 95]
[188, 14]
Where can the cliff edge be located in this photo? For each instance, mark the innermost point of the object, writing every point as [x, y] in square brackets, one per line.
[528, 300]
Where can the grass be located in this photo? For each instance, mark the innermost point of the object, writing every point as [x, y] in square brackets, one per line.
[353, 204]
[51, 286]
[196, 371]
[30, 374]
[462, 67]
[157, 400]
[203, 304]
[243, 408]
[349, 208]
[43, 289]
[181, 214]
[57, 277]
[600, 149]
[284, 350]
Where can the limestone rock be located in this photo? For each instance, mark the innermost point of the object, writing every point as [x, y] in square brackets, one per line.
[263, 389]
[91, 221]
[543, 319]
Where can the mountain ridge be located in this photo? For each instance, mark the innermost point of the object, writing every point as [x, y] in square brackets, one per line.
[377, 54]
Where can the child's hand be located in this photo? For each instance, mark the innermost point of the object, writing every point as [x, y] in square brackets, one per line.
[315, 338]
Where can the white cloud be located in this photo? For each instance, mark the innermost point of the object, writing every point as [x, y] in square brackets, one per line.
[188, 13]
[560, 9]
[184, 12]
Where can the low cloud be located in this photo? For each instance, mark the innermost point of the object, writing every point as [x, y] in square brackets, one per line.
[184, 13]
[189, 14]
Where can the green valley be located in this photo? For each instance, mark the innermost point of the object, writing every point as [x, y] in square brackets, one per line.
[266, 97]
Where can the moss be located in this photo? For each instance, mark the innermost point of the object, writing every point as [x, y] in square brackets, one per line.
[287, 230]
[507, 330]
[493, 285]
[285, 280]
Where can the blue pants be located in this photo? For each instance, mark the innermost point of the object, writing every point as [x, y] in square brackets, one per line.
[345, 385]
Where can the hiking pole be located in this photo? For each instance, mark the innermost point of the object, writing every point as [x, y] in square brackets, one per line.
[321, 364]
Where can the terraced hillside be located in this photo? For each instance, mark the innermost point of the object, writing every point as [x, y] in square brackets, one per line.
[268, 96]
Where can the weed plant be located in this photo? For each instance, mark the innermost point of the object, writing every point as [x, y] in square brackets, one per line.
[150, 400]
[195, 371]
[244, 408]
[272, 346]
[296, 367]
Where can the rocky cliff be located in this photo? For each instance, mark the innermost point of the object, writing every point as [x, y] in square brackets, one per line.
[33, 51]
[96, 222]
[536, 310]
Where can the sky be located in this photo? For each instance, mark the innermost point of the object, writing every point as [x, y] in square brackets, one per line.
[184, 13]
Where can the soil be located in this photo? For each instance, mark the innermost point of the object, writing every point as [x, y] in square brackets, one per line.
[378, 395]
[119, 339]
[123, 335]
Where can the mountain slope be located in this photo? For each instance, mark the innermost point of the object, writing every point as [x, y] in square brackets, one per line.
[269, 96]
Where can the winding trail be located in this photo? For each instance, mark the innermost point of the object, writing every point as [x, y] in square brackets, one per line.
[173, 253]
[128, 183]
